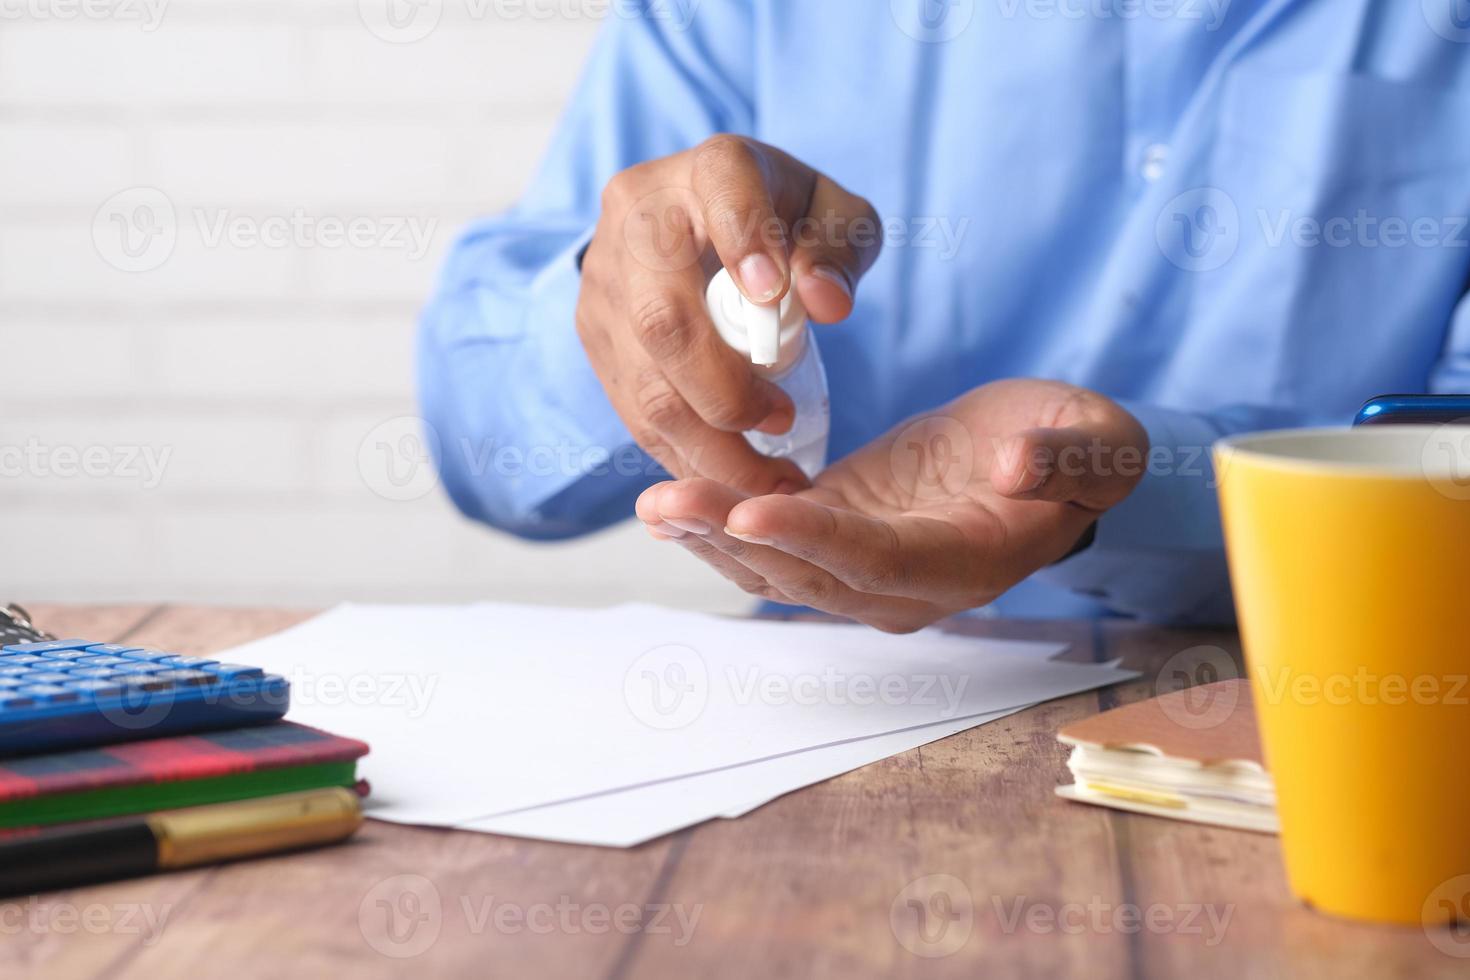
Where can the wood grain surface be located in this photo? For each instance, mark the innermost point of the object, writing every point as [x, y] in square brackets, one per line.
[952, 860]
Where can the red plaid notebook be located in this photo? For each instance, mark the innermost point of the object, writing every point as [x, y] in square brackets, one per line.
[165, 773]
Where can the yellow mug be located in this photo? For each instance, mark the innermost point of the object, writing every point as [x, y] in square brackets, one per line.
[1349, 556]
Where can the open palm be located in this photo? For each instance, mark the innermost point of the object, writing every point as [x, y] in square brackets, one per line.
[943, 513]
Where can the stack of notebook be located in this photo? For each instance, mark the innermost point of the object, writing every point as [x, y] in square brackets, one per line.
[86, 794]
[1164, 757]
[172, 772]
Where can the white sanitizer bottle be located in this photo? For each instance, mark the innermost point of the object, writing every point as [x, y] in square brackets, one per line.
[780, 344]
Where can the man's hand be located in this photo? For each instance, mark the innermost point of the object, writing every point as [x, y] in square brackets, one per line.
[940, 515]
[665, 227]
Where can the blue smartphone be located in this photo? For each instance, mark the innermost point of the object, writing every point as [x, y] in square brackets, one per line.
[1414, 409]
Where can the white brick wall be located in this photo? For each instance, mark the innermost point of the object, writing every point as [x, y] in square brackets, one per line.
[254, 373]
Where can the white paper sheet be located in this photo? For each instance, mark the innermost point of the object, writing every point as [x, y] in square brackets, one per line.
[478, 711]
[628, 817]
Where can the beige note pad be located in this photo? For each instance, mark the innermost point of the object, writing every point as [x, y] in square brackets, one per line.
[1208, 724]
[1188, 755]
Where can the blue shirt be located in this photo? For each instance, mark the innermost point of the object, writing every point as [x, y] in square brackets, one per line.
[1227, 215]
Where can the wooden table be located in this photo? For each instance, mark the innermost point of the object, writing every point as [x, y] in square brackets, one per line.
[828, 881]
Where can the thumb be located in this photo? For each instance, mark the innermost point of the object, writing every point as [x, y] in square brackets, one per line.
[1093, 467]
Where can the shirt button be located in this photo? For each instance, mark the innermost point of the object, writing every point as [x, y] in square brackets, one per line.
[1154, 156]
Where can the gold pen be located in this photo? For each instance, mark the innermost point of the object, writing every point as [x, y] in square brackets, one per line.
[62, 857]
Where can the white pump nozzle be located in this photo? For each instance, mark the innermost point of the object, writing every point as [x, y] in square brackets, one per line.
[763, 327]
[763, 332]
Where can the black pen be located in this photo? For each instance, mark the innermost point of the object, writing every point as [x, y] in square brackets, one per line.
[65, 856]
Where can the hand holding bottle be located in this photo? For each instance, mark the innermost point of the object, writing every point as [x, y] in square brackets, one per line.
[666, 226]
[942, 514]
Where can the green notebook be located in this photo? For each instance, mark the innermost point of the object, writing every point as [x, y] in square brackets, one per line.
[179, 771]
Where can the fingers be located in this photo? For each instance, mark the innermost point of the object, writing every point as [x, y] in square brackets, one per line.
[732, 177]
[656, 412]
[699, 509]
[753, 195]
[693, 522]
[808, 584]
[647, 512]
[747, 579]
[672, 325]
[664, 424]
[910, 557]
[695, 506]
[834, 247]
[1092, 465]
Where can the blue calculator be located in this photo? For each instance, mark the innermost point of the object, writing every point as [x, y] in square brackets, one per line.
[60, 694]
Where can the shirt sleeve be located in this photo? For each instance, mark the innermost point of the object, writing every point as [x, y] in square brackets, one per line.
[522, 434]
[1160, 554]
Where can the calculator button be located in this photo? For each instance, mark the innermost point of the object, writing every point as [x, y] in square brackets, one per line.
[40, 646]
[143, 682]
[144, 668]
[236, 671]
[146, 654]
[96, 688]
[19, 659]
[48, 692]
[102, 661]
[93, 673]
[112, 649]
[14, 671]
[12, 700]
[48, 678]
[188, 661]
[64, 655]
[186, 678]
[10, 682]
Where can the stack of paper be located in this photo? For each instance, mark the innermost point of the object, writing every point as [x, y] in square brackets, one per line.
[618, 725]
[1192, 754]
